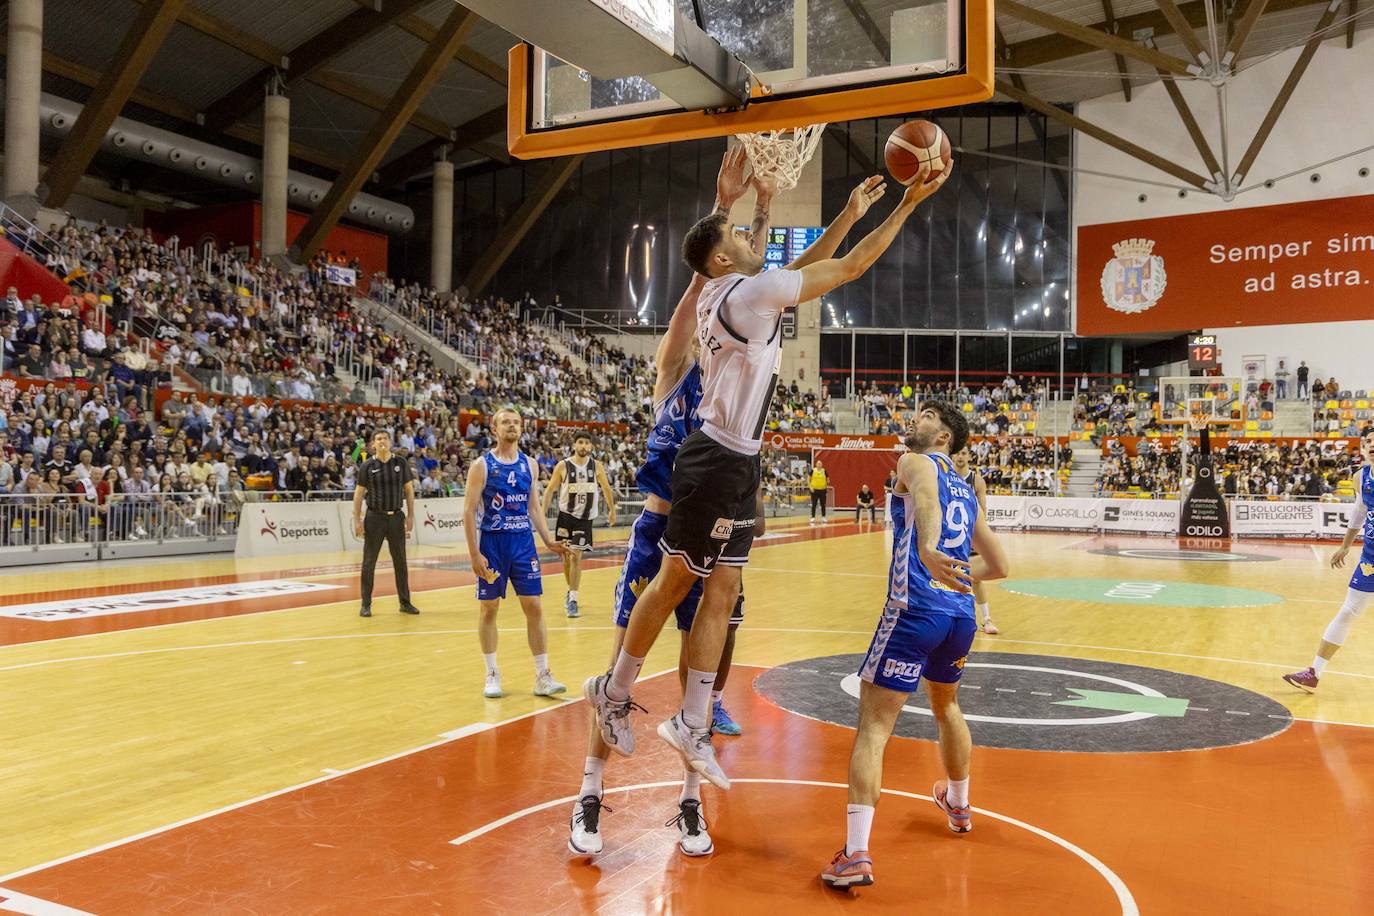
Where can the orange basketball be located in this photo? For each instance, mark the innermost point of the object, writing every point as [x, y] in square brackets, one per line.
[911, 145]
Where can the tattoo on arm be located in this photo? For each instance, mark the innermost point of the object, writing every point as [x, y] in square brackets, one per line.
[758, 230]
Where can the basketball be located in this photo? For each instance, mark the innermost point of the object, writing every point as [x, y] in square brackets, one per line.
[912, 144]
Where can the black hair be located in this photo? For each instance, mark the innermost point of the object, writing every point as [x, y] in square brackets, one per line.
[583, 435]
[952, 418]
[701, 241]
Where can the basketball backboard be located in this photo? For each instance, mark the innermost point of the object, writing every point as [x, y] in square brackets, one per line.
[1218, 399]
[808, 61]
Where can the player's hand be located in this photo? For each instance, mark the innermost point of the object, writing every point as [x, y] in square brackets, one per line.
[764, 187]
[481, 570]
[410, 525]
[358, 527]
[1338, 558]
[920, 189]
[730, 182]
[948, 571]
[869, 192]
[559, 548]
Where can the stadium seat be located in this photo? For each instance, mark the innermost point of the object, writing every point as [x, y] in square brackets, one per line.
[1330, 405]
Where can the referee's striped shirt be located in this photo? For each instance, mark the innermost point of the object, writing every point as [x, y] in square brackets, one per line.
[385, 482]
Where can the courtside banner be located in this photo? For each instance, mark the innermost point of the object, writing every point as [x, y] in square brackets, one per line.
[1296, 519]
[805, 442]
[349, 534]
[1062, 512]
[1335, 518]
[1156, 515]
[273, 529]
[1006, 511]
[439, 521]
[1283, 264]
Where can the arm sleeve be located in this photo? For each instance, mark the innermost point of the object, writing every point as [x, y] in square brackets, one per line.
[406, 475]
[754, 305]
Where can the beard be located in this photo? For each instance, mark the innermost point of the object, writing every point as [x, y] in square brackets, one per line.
[919, 441]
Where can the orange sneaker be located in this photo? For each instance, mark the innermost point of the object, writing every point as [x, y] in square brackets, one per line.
[847, 871]
[960, 819]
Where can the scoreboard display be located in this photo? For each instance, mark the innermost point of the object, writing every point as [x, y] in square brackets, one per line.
[1202, 351]
[786, 243]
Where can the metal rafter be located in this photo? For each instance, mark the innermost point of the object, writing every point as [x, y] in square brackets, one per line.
[1096, 38]
[1100, 133]
[514, 230]
[465, 135]
[1120, 61]
[384, 130]
[306, 58]
[1285, 92]
[117, 84]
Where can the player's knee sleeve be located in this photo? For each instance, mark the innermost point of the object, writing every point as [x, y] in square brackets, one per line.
[1339, 627]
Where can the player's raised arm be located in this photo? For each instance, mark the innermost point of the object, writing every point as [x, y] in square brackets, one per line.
[764, 189]
[823, 276]
[922, 481]
[675, 349]
[869, 192]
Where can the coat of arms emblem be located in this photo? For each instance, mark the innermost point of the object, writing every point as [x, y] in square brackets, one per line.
[1134, 280]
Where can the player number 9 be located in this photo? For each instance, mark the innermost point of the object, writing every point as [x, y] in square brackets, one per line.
[956, 520]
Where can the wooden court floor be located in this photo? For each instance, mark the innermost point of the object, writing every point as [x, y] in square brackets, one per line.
[265, 750]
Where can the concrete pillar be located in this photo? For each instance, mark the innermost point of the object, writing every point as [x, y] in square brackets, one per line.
[23, 84]
[441, 228]
[276, 141]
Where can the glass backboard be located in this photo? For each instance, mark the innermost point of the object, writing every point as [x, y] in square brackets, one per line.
[812, 61]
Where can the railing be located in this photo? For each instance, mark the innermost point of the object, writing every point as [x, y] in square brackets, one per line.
[29, 522]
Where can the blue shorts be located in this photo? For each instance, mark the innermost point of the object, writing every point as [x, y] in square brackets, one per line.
[511, 555]
[1360, 580]
[912, 644]
[642, 561]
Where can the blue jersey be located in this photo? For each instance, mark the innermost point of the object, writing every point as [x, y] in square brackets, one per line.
[910, 584]
[506, 497]
[1365, 501]
[674, 418]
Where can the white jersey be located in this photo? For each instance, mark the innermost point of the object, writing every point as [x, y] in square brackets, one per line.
[579, 495]
[739, 326]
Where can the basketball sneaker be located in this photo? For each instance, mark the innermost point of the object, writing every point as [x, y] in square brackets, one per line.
[1306, 679]
[570, 606]
[694, 744]
[988, 627]
[584, 827]
[612, 717]
[960, 819]
[721, 723]
[546, 686]
[845, 871]
[492, 690]
[691, 824]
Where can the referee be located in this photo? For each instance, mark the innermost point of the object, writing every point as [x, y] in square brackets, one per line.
[382, 480]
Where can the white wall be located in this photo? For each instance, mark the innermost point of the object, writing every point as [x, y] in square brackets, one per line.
[1331, 113]
[1341, 349]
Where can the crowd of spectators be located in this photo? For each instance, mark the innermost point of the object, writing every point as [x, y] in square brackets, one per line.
[1008, 408]
[1310, 469]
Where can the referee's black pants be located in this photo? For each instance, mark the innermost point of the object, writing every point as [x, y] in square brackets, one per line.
[818, 501]
[390, 527]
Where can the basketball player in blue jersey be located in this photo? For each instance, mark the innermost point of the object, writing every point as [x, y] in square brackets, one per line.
[1361, 588]
[963, 464]
[500, 534]
[925, 632]
[677, 394]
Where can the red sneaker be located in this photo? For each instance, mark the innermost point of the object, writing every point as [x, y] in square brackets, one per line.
[960, 819]
[849, 871]
[1306, 679]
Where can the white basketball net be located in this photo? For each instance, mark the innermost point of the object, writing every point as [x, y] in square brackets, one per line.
[782, 154]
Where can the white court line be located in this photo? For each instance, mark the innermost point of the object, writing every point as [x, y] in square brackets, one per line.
[1332, 722]
[332, 774]
[1123, 893]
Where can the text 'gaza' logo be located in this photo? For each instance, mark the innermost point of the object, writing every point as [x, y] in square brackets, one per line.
[1134, 280]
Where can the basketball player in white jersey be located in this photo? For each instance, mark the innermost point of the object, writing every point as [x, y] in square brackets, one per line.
[577, 480]
[963, 465]
[716, 475]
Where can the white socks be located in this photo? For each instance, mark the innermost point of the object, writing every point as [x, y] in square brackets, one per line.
[623, 676]
[715, 696]
[490, 658]
[591, 777]
[541, 664]
[696, 697]
[691, 786]
[572, 594]
[860, 823]
[957, 796]
[1319, 664]
[983, 612]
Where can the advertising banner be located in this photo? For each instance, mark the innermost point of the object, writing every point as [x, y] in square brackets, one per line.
[1151, 515]
[1006, 511]
[1334, 518]
[1293, 519]
[1062, 512]
[340, 276]
[805, 442]
[439, 521]
[351, 541]
[1204, 511]
[1305, 261]
[273, 529]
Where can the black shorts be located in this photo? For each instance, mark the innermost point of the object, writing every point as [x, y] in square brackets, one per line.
[573, 531]
[715, 490]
